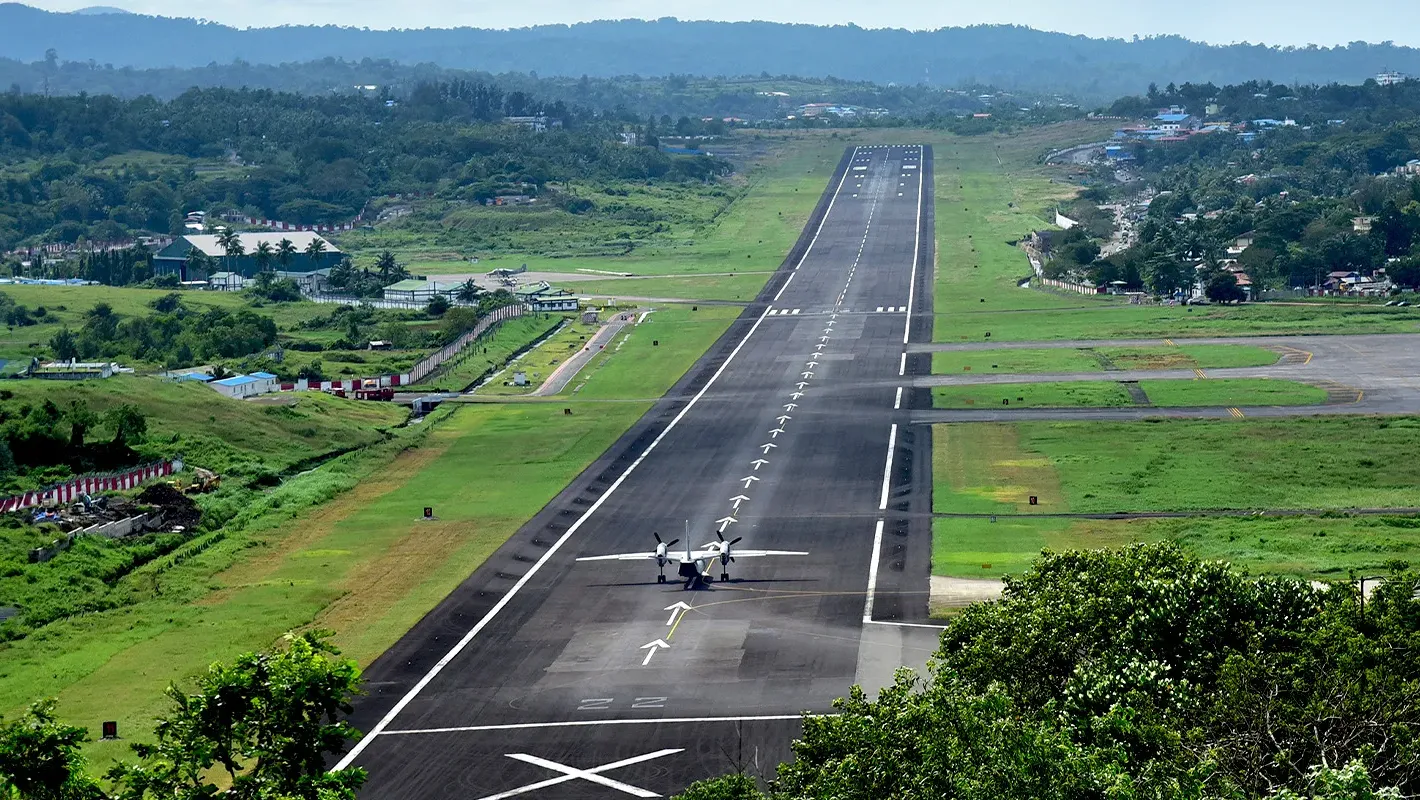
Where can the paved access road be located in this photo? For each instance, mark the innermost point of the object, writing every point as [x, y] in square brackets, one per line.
[543, 677]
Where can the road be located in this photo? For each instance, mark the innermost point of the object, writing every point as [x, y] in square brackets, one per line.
[543, 677]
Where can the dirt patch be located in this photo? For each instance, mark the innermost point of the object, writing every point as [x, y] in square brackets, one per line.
[178, 508]
[949, 594]
[313, 526]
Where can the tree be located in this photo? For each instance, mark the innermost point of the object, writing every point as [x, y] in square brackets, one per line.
[385, 265]
[128, 424]
[231, 243]
[64, 346]
[266, 724]
[316, 251]
[1405, 272]
[438, 304]
[80, 419]
[468, 292]
[1137, 673]
[728, 787]
[197, 263]
[285, 253]
[41, 759]
[263, 255]
[1165, 274]
[1222, 287]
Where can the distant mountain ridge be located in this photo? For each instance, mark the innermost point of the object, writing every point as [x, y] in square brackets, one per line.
[1001, 55]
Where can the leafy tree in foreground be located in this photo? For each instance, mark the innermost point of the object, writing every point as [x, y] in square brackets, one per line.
[1137, 673]
[40, 758]
[265, 723]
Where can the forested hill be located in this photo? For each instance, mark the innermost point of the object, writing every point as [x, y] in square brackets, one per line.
[1006, 56]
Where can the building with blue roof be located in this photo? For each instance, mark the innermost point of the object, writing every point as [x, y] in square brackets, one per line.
[240, 386]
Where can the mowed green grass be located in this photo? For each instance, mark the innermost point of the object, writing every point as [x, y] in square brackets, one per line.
[648, 358]
[1152, 322]
[1181, 465]
[1231, 392]
[1112, 394]
[1024, 361]
[1056, 394]
[742, 286]
[1316, 548]
[1178, 465]
[363, 564]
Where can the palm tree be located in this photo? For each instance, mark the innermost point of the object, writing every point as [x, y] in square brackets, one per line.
[197, 263]
[316, 251]
[263, 255]
[386, 265]
[231, 243]
[468, 292]
[285, 252]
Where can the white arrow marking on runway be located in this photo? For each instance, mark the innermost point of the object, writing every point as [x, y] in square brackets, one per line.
[820, 346]
[676, 610]
[782, 418]
[797, 395]
[737, 499]
[766, 447]
[807, 374]
[823, 338]
[654, 646]
[790, 406]
[775, 433]
[726, 522]
[811, 364]
[748, 479]
[831, 323]
[758, 462]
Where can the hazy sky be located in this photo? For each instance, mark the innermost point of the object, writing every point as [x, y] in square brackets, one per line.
[1285, 22]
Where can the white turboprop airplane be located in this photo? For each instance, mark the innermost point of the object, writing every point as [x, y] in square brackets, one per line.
[695, 565]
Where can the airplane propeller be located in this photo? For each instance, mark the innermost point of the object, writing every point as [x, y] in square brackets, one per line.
[671, 543]
[727, 545]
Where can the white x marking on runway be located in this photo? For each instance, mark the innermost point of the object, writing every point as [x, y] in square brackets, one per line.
[593, 774]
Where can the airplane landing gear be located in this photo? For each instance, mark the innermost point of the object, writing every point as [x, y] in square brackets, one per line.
[661, 578]
[724, 577]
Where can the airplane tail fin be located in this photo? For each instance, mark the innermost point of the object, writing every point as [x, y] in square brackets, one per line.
[687, 540]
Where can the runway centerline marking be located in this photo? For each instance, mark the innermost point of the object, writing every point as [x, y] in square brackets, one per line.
[593, 774]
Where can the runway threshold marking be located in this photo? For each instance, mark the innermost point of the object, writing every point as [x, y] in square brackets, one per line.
[593, 775]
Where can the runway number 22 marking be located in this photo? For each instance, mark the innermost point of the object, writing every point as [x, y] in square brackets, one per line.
[605, 703]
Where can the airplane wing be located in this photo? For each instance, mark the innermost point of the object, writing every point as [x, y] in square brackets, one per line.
[737, 553]
[619, 557]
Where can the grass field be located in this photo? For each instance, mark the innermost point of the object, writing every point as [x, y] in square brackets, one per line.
[751, 234]
[540, 361]
[341, 547]
[1177, 465]
[1105, 394]
[649, 358]
[740, 286]
[1202, 356]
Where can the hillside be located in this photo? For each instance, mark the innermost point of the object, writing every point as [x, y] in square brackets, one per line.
[1095, 69]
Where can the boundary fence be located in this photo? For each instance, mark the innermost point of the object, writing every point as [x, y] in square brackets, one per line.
[72, 490]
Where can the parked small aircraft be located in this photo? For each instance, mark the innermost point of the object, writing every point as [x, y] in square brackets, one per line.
[695, 565]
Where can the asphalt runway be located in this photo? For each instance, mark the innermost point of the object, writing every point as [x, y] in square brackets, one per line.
[540, 676]
[1364, 374]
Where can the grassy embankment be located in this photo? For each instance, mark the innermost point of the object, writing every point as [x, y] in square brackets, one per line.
[1161, 393]
[341, 546]
[991, 190]
[1099, 359]
[1179, 466]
